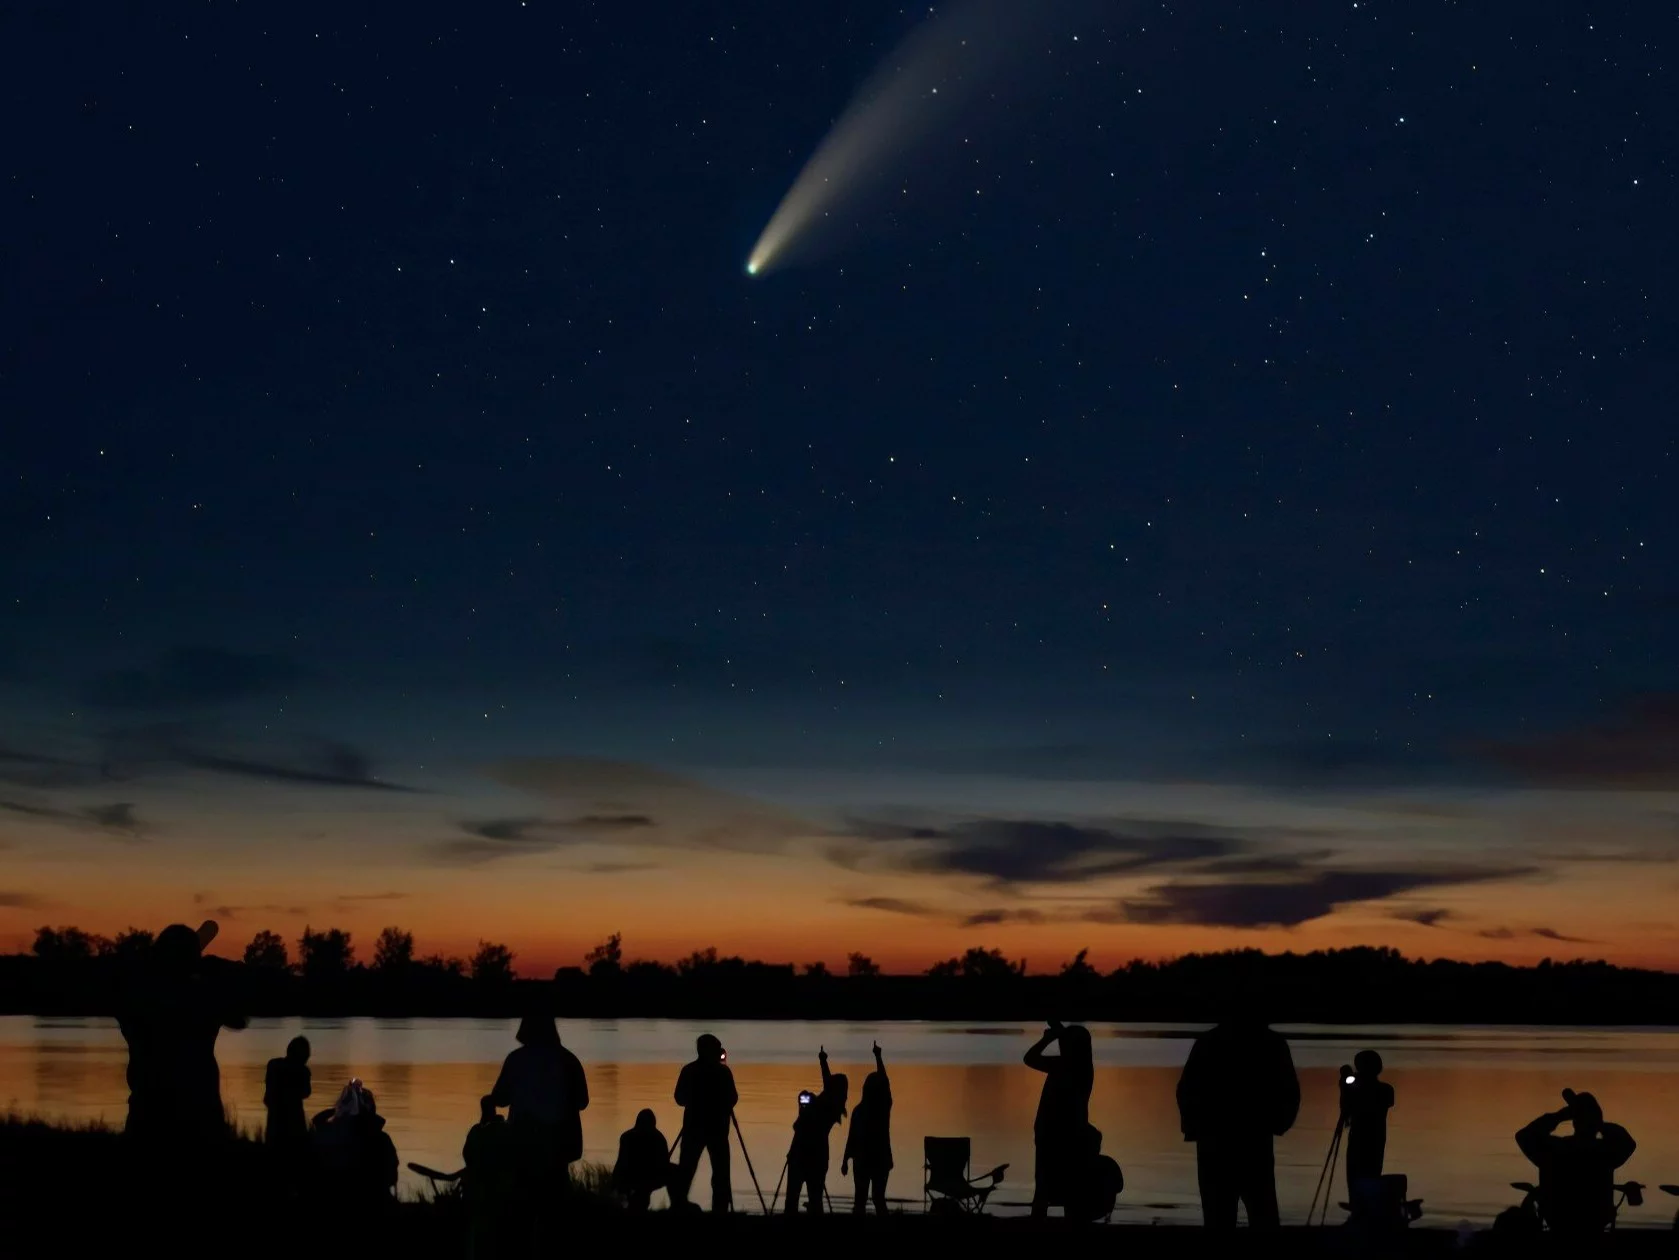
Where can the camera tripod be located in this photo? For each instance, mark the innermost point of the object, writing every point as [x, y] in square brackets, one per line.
[1326, 1178]
[745, 1154]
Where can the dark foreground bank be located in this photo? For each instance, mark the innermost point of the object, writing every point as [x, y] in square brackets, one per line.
[80, 1191]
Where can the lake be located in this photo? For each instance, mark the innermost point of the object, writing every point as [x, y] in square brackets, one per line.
[1462, 1094]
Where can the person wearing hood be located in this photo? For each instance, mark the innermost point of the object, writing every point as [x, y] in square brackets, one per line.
[170, 1020]
[356, 1157]
[545, 1091]
[643, 1162]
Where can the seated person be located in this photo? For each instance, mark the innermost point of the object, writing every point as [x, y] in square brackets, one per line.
[643, 1162]
[1576, 1170]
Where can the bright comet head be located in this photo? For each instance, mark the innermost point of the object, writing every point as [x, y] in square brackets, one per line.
[752, 268]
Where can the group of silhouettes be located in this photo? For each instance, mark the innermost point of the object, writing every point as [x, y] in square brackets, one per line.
[1238, 1092]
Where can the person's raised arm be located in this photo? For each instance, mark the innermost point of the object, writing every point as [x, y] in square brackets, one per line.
[1618, 1145]
[822, 1058]
[1531, 1139]
[1036, 1059]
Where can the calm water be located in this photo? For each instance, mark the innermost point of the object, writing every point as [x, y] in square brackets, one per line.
[1462, 1093]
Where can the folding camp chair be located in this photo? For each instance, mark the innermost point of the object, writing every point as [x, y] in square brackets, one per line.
[946, 1184]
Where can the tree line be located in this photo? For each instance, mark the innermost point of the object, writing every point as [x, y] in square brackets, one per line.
[73, 972]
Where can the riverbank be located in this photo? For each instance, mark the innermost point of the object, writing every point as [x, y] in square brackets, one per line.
[80, 1189]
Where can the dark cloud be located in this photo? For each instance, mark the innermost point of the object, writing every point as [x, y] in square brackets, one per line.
[354, 898]
[25, 768]
[894, 905]
[1286, 903]
[191, 677]
[992, 918]
[132, 753]
[493, 838]
[1635, 749]
[1010, 852]
[1427, 918]
[119, 816]
[1551, 934]
[12, 900]
[507, 830]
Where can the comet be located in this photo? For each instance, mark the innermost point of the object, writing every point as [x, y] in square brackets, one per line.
[920, 90]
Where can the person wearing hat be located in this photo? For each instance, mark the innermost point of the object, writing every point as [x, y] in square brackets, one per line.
[1577, 1169]
[170, 1021]
[545, 1091]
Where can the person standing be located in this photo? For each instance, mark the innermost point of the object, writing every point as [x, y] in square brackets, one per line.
[1238, 1092]
[807, 1158]
[1059, 1131]
[868, 1142]
[545, 1091]
[286, 1086]
[170, 1021]
[705, 1090]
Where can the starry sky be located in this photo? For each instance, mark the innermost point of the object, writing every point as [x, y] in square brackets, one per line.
[1216, 490]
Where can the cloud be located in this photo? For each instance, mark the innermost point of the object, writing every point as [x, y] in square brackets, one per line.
[190, 677]
[1286, 903]
[1635, 749]
[1010, 852]
[42, 771]
[894, 905]
[992, 918]
[13, 900]
[619, 803]
[1427, 918]
[132, 753]
[119, 816]
[354, 898]
[1543, 933]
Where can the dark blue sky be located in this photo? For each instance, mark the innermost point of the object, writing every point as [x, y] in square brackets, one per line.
[1283, 397]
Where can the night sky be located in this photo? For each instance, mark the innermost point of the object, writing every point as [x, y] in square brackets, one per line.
[1219, 493]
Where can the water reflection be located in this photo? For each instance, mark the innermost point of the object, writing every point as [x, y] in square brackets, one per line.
[1462, 1093]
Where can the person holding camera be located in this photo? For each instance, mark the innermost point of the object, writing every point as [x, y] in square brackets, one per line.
[705, 1090]
[1366, 1100]
[1060, 1131]
[1576, 1170]
[807, 1158]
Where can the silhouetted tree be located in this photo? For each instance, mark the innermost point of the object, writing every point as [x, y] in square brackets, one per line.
[267, 952]
[1079, 968]
[980, 964]
[393, 952]
[132, 943]
[606, 959]
[817, 971]
[698, 962]
[325, 955]
[66, 944]
[861, 966]
[437, 964]
[492, 964]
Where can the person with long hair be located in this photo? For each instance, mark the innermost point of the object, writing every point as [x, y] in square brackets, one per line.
[1063, 1119]
[807, 1158]
[868, 1142]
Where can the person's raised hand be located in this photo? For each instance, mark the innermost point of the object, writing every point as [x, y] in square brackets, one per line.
[877, 1049]
[822, 1053]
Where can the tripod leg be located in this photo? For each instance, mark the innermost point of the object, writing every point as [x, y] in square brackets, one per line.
[1323, 1176]
[778, 1182]
[750, 1171]
[1334, 1159]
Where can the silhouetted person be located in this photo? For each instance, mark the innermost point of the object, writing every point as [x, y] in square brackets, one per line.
[170, 1020]
[545, 1091]
[355, 1156]
[1364, 1106]
[643, 1162]
[490, 1180]
[807, 1158]
[1238, 1092]
[868, 1142]
[286, 1085]
[1576, 1170]
[1059, 1132]
[705, 1090]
